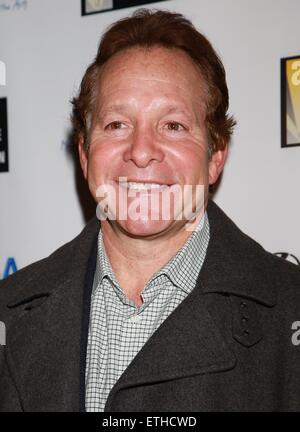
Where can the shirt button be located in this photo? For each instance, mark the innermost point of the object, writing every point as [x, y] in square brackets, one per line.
[135, 318]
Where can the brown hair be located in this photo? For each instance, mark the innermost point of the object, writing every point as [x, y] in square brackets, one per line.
[148, 28]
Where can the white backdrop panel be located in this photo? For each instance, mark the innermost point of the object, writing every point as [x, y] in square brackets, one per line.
[47, 46]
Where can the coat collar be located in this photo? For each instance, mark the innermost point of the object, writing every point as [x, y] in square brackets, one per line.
[53, 273]
[236, 264]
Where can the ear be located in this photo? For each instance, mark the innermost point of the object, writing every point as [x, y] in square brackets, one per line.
[83, 157]
[216, 164]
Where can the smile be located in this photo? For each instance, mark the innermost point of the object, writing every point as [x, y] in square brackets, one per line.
[142, 186]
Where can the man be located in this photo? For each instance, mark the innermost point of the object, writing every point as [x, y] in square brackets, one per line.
[142, 312]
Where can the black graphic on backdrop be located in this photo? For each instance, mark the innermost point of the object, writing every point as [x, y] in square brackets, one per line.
[289, 257]
[89, 7]
[3, 136]
[290, 101]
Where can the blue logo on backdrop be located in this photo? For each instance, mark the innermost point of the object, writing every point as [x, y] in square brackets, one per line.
[13, 5]
[10, 267]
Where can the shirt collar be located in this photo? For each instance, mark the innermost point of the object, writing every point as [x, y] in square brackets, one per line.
[182, 269]
[103, 266]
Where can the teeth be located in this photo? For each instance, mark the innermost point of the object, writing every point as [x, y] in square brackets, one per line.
[141, 186]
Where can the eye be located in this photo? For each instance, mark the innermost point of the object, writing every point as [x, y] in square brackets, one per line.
[115, 125]
[175, 126]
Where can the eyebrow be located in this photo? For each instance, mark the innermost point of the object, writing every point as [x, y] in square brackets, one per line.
[114, 108]
[123, 108]
[177, 110]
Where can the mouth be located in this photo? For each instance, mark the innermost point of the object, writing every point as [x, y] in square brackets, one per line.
[143, 186]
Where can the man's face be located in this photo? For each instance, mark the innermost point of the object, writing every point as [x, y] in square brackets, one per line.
[150, 129]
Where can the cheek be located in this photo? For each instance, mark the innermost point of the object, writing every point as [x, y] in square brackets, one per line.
[104, 161]
[101, 152]
[192, 164]
[104, 153]
[96, 166]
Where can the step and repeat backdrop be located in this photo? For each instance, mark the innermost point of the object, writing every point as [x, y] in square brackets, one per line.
[45, 47]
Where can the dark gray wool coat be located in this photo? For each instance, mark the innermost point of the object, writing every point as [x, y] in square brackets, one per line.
[232, 345]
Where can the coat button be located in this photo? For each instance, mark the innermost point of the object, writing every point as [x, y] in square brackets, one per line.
[246, 326]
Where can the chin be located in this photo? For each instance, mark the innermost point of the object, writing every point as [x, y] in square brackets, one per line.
[144, 228]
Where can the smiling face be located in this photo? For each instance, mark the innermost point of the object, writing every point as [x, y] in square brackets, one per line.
[149, 127]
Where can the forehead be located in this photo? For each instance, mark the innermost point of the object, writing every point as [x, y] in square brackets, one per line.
[155, 66]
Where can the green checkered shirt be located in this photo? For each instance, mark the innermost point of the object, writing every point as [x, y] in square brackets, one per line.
[118, 328]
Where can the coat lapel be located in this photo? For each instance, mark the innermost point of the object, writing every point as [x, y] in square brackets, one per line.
[186, 344]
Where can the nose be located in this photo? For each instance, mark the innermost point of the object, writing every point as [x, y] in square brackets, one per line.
[144, 147]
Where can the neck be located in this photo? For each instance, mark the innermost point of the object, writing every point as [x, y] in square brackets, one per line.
[135, 259]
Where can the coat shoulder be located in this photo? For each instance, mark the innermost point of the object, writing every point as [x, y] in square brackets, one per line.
[38, 276]
[240, 265]
[288, 281]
